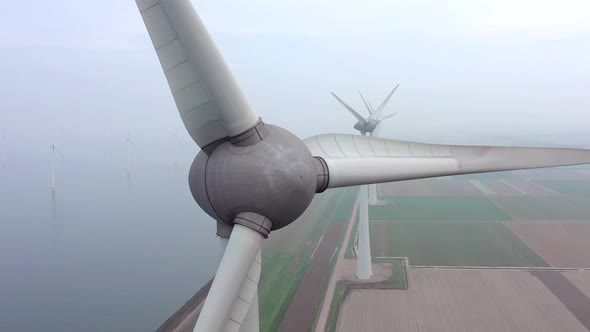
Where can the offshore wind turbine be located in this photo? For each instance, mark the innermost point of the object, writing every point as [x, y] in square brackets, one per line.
[176, 154]
[255, 178]
[129, 146]
[54, 149]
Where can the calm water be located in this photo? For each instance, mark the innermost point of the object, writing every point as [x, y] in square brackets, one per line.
[103, 253]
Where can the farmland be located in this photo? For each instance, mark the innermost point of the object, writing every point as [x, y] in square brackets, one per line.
[561, 244]
[568, 187]
[451, 244]
[485, 189]
[452, 208]
[440, 187]
[503, 188]
[287, 255]
[580, 280]
[397, 281]
[545, 207]
[530, 188]
[483, 252]
[467, 226]
[459, 300]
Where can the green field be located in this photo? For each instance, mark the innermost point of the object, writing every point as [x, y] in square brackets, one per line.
[567, 187]
[343, 208]
[472, 208]
[482, 187]
[285, 261]
[451, 244]
[487, 176]
[545, 208]
[279, 279]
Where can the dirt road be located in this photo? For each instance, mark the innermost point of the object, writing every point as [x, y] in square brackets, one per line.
[300, 314]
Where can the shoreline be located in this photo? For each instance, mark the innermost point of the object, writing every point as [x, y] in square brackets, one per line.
[188, 310]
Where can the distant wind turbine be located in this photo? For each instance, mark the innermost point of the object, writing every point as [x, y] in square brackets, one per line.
[370, 125]
[129, 146]
[176, 154]
[54, 149]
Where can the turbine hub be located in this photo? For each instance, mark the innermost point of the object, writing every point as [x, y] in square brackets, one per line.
[266, 170]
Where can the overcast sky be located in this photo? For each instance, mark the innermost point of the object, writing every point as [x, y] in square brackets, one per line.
[464, 67]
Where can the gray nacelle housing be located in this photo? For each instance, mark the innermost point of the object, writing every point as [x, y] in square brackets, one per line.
[367, 127]
[275, 177]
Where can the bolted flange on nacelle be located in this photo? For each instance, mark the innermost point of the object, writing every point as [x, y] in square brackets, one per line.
[265, 170]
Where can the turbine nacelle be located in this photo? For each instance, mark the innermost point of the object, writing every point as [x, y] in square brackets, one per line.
[266, 171]
[368, 126]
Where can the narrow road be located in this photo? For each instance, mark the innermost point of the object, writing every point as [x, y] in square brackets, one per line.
[336, 274]
[510, 268]
[301, 310]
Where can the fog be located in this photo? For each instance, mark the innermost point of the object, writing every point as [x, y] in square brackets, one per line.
[462, 67]
[84, 76]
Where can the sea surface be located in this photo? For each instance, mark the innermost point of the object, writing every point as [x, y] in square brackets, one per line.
[104, 252]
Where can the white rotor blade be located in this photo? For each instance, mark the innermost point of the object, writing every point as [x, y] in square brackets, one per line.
[234, 285]
[366, 105]
[379, 127]
[381, 107]
[359, 117]
[59, 152]
[210, 101]
[354, 160]
[131, 143]
[388, 116]
[251, 322]
[371, 106]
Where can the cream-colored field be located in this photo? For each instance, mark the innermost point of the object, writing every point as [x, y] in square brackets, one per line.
[459, 300]
[561, 244]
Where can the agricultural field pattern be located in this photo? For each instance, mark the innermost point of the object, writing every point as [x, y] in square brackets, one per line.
[503, 251]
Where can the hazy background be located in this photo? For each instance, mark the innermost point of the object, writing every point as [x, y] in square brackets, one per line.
[106, 254]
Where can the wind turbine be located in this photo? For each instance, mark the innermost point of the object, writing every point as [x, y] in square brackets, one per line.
[178, 148]
[254, 178]
[367, 125]
[370, 125]
[129, 146]
[54, 149]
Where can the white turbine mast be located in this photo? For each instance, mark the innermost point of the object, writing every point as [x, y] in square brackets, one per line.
[130, 145]
[179, 144]
[54, 149]
[255, 178]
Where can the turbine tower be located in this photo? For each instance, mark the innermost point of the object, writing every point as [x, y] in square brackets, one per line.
[255, 178]
[179, 143]
[54, 149]
[129, 146]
